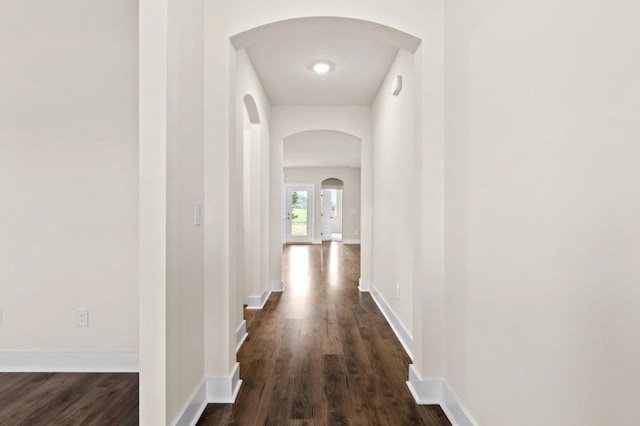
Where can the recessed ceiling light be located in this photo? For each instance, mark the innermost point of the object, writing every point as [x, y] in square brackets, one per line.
[321, 67]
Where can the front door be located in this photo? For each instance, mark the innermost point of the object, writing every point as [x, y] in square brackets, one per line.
[299, 214]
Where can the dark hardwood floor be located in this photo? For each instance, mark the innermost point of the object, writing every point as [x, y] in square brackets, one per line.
[321, 353]
[68, 399]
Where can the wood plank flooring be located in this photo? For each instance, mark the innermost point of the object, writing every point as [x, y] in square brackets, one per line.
[321, 353]
[32, 399]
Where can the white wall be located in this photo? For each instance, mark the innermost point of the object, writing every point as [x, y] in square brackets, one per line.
[251, 269]
[219, 112]
[351, 195]
[185, 241]
[68, 175]
[152, 211]
[543, 201]
[396, 209]
[171, 182]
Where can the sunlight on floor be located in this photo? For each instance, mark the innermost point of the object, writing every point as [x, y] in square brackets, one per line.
[299, 266]
[334, 263]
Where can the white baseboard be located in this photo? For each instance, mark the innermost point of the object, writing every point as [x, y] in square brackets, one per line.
[317, 242]
[364, 285]
[435, 391]
[224, 390]
[70, 362]
[213, 390]
[241, 334]
[257, 302]
[350, 241]
[394, 321]
[193, 408]
[424, 391]
[277, 286]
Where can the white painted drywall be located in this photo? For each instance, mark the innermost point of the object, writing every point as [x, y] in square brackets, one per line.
[171, 183]
[251, 270]
[394, 202]
[351, 198]
[152, 211]
[185, 171]
[543, 208]
[68, 175]
[219, 120]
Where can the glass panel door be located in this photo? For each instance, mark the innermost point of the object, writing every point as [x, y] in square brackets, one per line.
[299, 213]
[299, 216]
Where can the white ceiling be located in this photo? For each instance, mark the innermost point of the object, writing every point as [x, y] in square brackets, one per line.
[321, 148]
[361, 64]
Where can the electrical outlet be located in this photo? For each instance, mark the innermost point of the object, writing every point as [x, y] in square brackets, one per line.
[397, 291]
[82, 317]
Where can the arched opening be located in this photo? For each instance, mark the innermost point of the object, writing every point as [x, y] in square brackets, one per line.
[362, 29]
[250, 221]
[364, 55]
[308, 159]
[333, 211]
[302, 107]
[278, 55]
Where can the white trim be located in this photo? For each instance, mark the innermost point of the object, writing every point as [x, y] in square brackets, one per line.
[277, 286]
[193, 408]
[394, 321]
[350, 241]
[364, 285]
[317, 241]
[436, 391]
[241, 334]
[212, 390]
[69, 362]
[284, 225]
[453, 408]
[424, 391]
[224, 390]
[258, 302]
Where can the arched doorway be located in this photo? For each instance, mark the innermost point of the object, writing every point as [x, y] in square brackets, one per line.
[332, 194]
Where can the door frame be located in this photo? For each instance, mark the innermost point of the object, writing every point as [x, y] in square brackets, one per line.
[310, 187]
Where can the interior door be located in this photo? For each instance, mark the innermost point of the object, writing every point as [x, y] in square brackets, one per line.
[299, 214]
[326, 215]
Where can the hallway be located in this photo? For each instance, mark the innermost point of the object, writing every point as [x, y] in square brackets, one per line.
[321, 352]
